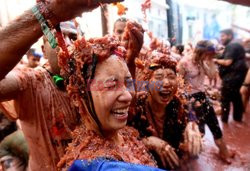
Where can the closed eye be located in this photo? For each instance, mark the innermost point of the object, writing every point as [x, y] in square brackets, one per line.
[110, 84]
[159, 77]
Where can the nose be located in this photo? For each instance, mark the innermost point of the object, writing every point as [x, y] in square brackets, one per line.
[165, 82]
[125, 96]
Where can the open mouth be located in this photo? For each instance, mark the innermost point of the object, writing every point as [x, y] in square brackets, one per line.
[165, 95]
[121, 113]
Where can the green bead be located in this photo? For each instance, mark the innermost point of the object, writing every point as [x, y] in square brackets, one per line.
[59, 81]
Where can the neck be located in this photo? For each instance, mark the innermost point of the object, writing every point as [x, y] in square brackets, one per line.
[113, 136]
[55, 71]
[50, 69]
[227, 42]
[90, 124]
[157, 108]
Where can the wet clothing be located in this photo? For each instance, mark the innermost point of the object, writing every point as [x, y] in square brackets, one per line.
[46, 116]
[231, 95]
[90, 145]
[15, 146]
[193, 75]
[174, 124]
[205, 114]
[102, 164]
[232, 78]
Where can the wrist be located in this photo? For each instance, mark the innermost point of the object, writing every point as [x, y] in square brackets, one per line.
[45, 25]
[45, 9]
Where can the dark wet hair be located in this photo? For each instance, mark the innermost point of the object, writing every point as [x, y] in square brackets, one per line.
[180, 48]
[228, 32]
[121, 19]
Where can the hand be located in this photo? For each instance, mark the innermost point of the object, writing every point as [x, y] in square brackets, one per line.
[64, 10]
[164, 150]
[141, 94]
[215, 60]
[133, 40]
[192, 139]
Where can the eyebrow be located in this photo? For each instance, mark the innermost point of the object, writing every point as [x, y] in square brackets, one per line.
[158, 74]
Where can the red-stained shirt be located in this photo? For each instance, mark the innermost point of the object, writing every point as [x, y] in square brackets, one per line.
[46, 115]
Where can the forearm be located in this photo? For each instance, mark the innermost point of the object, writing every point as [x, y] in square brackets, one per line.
[247, 79]
[153, 142]
[131, 63]
[223, 62]
[146, 142]
[16, 39]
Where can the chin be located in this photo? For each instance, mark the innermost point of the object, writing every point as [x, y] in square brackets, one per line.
[118, 126]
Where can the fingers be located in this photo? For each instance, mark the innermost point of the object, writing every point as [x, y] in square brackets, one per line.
[192, 137]
[141, 94]
[138, 35]
[171, 156]
[167, 158]
[197, 140]
[196, 145]
[163, 159]
[190, 142]
[174, 157]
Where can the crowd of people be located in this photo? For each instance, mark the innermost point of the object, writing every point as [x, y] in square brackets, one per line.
[112, 102]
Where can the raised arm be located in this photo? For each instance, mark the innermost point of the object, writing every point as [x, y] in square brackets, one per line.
[133, 41]
[181, 69]
[9, 87]
[16, 39]
[21, 33]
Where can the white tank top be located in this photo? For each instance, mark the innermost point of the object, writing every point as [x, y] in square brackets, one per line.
[194, 76]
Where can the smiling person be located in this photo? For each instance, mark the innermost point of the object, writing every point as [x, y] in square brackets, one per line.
[160, 116]
[102, 96]
[193, 70]
[44, 109]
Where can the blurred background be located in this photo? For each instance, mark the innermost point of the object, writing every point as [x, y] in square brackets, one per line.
[176, 21]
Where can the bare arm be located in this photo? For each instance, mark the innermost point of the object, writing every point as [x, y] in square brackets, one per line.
[20, 34]
[180, 69]
[9, 88]
[16, 39]
[224, 62]
[247, 79]
[244, 90]
[133, 44]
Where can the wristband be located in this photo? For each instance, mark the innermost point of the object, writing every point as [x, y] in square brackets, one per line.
[45, 28]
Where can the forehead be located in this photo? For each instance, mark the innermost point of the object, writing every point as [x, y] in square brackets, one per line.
[224, 35]
[120, 25]
[113, 66]
[166, 71]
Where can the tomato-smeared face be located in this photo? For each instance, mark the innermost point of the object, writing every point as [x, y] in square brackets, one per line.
[112, 91]
[165, 85]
